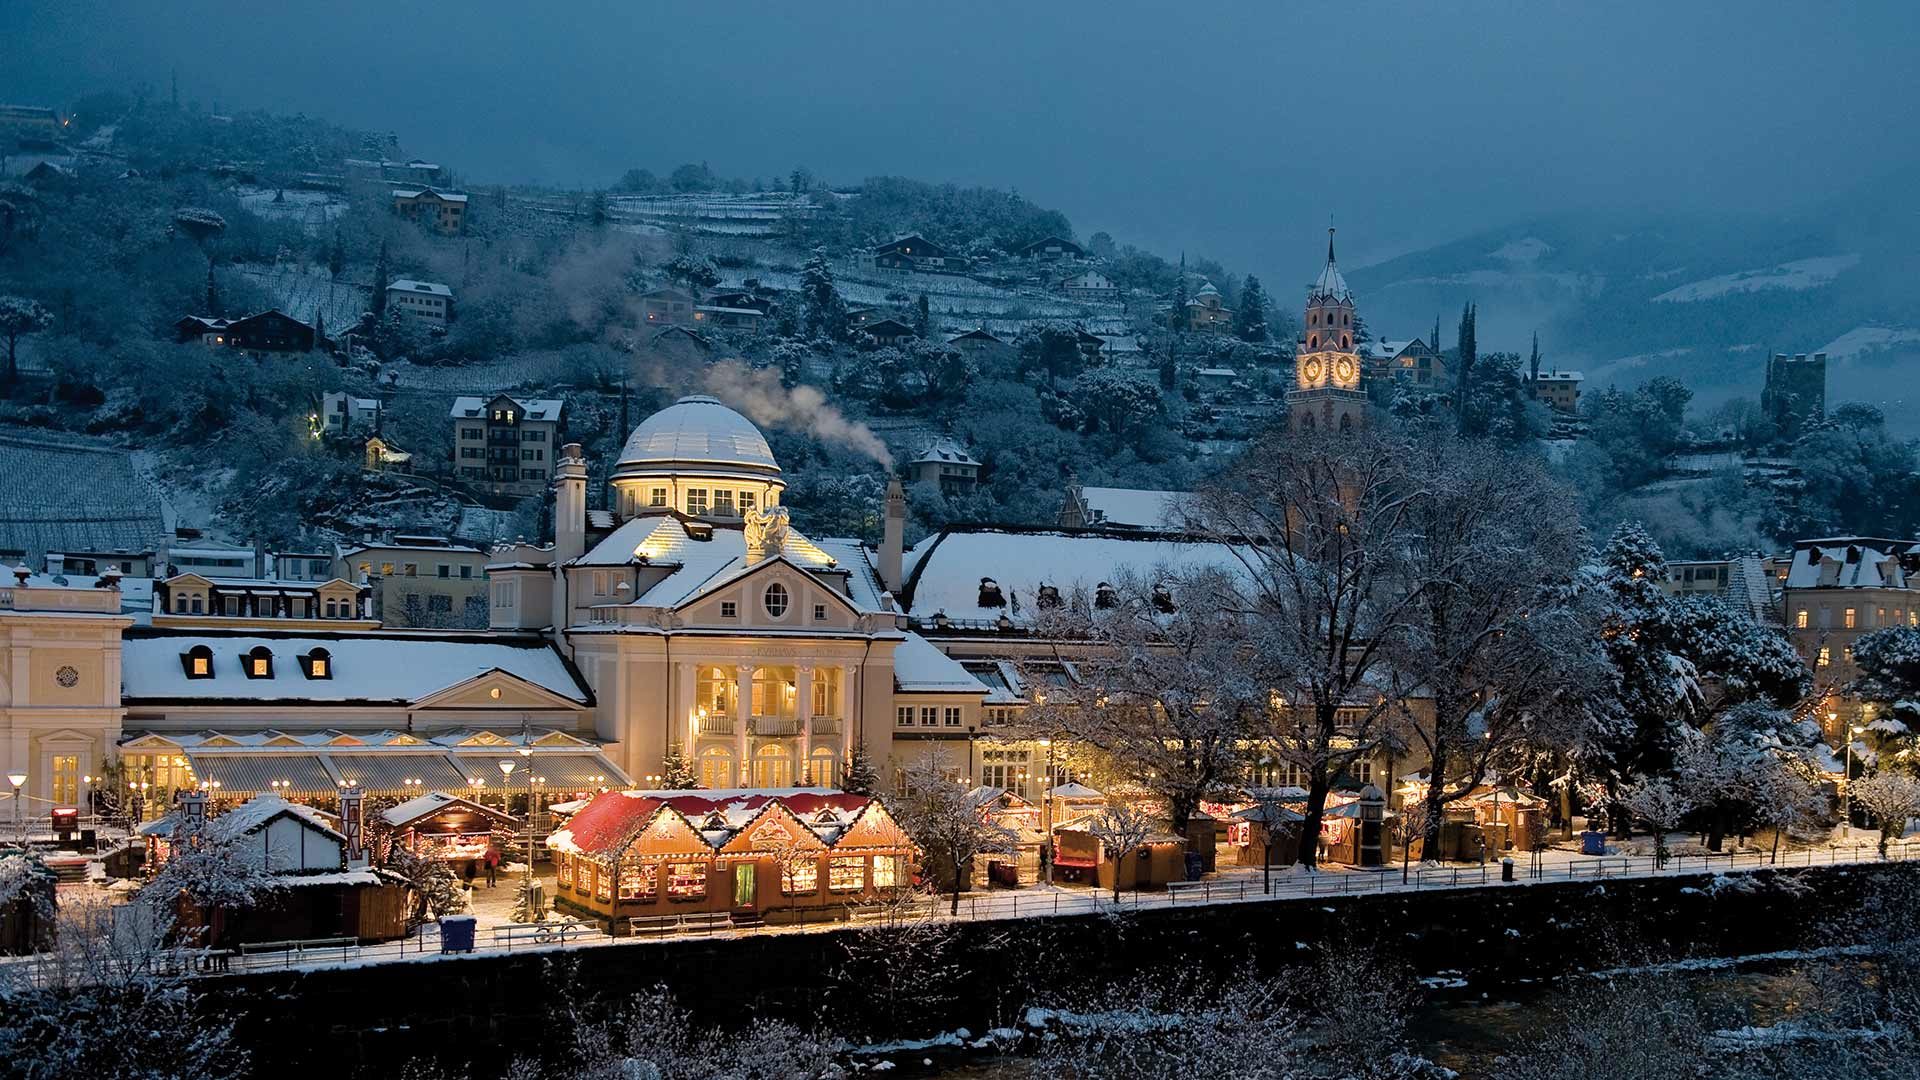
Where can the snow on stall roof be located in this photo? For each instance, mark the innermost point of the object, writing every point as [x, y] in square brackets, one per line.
[609, 819]
[948, 566]
[416, 808]
[1074, 790]
[366, 667]
[248, 817]
[918, 667]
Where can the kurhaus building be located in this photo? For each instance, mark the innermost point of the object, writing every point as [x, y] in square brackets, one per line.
[688, 617]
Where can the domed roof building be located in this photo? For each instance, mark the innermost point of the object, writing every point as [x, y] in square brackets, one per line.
[699, 458]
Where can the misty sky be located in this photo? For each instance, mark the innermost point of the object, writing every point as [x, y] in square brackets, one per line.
[1225, 129]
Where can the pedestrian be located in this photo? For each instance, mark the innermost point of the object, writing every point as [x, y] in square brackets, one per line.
[493, 865]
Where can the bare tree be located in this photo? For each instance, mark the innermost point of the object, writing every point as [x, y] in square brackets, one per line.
[1121, 830]
[213, 869]
[1317, 524]
[947, 822]
[1496, 636]
[1164, 687]
[1893, 799]
[1661, 805]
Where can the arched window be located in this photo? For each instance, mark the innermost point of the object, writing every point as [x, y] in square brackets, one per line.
[317, 664]
[822, 768]
[774, 693]
[776, 600]
[258, 662]
[713, 693]
[773, 767]
[1313, 341]
[716, 768]
[198, 662]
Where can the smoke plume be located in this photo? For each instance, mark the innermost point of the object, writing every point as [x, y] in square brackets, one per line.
[757, 393]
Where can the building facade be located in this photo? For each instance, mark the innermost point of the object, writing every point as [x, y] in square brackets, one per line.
[420, 582]
[443, 212]
[1838, 590]
[426, 301]
[506, 445]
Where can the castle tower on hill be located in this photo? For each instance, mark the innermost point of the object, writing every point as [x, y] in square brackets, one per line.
[1327, 392]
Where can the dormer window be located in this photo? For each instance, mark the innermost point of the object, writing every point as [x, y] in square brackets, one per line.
[1104, 595]
[258, 662]
[198, 662]
[1163, 599]
[317, 664]
[990, 594]
[1049, 596]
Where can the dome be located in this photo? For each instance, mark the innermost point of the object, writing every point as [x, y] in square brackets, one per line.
[697, 430]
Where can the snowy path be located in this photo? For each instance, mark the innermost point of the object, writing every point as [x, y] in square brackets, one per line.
[1231, 886]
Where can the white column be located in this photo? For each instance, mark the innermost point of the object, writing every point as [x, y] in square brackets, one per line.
[684, 689]
[803, 705]
[742, 717]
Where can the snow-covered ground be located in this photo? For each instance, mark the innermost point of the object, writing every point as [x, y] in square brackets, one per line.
[1864, 339]
[301, 290]
[311, 210]
[1799, 274]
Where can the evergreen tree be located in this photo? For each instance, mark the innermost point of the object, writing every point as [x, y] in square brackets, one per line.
[1169, 371]
[1177, 320]
[19, 317]
[319, 329]
[1251, 321]
[1469, 353]
[336, 256]
[860, 777]
[676, 772]
[597, 210]
[922, 318]
[1533, 362]
[213, 291]
[379, 298]
[824, 313]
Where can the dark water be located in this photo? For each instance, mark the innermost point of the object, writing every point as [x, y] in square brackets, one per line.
[1467, 1030]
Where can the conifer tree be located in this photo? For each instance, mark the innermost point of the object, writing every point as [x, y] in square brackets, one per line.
[1469, 353]
[1251, 321]
[336, 256]
[379, 298]
[1533, 362]
[860, 778]
[923, 318]
[676, 772]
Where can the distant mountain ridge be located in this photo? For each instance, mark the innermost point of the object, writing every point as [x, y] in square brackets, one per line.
[1623, 297]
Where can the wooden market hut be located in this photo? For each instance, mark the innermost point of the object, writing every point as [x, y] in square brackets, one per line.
[1250, 830]
[445, 827]
[781, 855]
[1081, 857]
[1022, 818]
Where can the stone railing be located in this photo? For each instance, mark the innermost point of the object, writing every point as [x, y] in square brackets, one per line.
[775, 725]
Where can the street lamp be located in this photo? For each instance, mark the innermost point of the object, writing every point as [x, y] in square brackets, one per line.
[1846, 789]
[1046, 814]
[18, 780]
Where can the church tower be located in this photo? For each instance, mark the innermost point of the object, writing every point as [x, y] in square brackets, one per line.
[1326, 390]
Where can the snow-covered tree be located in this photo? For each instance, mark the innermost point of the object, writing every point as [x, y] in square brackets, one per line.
[1317, 525]
[947, 823]
[1892, 798]
[823, 312]
[1250, 322]
[1507, 652]
[434, 891]
[19, 317]
[1661, 805]
[214, 869]
[1889, 663]
[1165, 689]
[678, 774]
[1787, 796]
[1122, 830]
[691, 271]
[860, 778]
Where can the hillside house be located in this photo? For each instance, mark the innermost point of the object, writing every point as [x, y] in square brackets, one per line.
[505, 445]
[1411, 363]
[916, 252]
[31, 124]
[889, 331]
[986, 349]
[268, 331]
[668, 306]
[1559, 390]
[420, 581]
[1089, 285]
[428, 301]
[340, 410]
[945, 462]
[1053, 249]
[443, 212]
[1836, 590]
[1207, 310]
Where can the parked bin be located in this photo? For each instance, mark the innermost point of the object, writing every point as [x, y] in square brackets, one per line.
[1593, 842]
[456, 933]
[1506, 869]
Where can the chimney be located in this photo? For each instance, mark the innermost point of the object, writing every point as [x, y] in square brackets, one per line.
[893, 536]
[259, 558]
[570, 504]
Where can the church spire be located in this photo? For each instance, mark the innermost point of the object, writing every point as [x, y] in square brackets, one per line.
[1329, 245]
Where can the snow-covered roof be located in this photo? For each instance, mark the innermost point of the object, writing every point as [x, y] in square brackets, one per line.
[1138, 507]
[1562, 376]
[369, 667]
[1852, 562]
[698, 429]
[946, 452]
[1217, 373]
[611, 820]
[1074, 790]
[918, 667]
[432, 288]
[432, 802]
[663, 540]
[948, 567]
[414, 193]
[251, 816]
[475, 408]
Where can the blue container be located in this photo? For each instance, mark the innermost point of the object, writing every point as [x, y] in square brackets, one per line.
[456, 933]
[1593, 843]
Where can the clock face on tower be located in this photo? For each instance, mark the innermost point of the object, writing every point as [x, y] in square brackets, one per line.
[1346, 374]
[1313, 372]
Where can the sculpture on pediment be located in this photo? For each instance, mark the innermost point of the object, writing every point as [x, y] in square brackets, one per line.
[766, 532]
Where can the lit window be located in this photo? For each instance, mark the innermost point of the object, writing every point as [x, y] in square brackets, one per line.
[886, 871]
[639, 881]
[846, 873]
[686, 881]
[696, 501]
[1800, 619]
[1850, 619]
[800, 876]
[1826, 656]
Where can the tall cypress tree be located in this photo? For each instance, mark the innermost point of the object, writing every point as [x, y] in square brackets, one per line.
[380, 283]
[1533, 362]
[1469, 353]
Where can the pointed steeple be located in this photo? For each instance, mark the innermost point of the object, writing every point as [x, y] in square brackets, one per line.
[1329, 245]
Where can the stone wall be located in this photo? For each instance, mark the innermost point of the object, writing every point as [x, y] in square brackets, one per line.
[883, 983]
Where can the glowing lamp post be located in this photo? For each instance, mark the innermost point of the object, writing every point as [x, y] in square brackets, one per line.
[18, 780]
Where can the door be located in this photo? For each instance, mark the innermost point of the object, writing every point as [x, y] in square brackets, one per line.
[744, 874]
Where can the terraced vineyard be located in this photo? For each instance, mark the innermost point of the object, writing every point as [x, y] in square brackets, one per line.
[73, 496]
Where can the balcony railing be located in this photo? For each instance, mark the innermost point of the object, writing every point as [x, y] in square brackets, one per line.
[717, 725]
[776, 725]
[826, 725]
